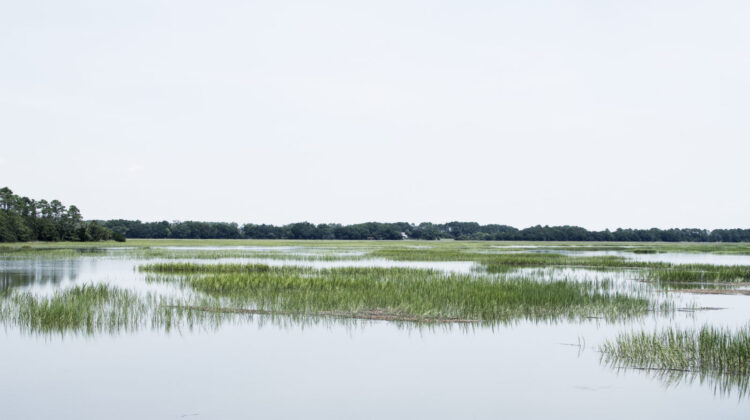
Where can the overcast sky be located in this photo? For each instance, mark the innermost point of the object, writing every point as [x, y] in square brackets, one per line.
[593, 113]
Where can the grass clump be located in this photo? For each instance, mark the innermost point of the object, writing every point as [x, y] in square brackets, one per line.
[82, 309]
[400, 293]
[301, 254]
[709, 349]
[498, 262]
[715, 356]
[701, 273]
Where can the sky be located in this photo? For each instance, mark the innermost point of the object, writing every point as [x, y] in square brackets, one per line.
[601, 114]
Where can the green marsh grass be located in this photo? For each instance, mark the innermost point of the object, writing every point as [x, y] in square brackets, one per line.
[497, 291]
[499, 262]
[401, 293]
[26, 252]
[701, 273]
[718, 355]
[301, 255]
[693, 247]
[81, 309]
[103, 309]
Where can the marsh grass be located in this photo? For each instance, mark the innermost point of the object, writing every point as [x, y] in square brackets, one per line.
[301, 255]
[701, 273]
[499, 289]
[415, 294]
[719, 356]
[26, 252]
[664, 273]
[692, 247]
[82, 309]
[501, 262]
[103, 309]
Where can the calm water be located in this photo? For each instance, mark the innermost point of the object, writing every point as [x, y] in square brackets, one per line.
[665, 257]
[373, 369]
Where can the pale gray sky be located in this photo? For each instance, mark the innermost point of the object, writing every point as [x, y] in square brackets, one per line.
[593, 113]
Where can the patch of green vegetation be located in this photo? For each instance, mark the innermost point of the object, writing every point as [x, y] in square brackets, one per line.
[731, 248]
[395, 246]
[645, 251]
[701, 273]
[721, 356]
[499, 262]
[82, 309]
[424, 295]
[25, 252]
[302, 255]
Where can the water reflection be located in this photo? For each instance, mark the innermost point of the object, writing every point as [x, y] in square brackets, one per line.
[661, 257]
[27, 273]
[723, 385]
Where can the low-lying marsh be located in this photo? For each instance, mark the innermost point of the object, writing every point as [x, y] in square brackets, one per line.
[162, 286]
[701, 273]
[425, 295]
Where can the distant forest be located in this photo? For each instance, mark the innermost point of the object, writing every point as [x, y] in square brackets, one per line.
[24, 219]
[403, 230]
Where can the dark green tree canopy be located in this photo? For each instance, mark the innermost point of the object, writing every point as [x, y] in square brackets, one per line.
[24, 219]
[427, 231]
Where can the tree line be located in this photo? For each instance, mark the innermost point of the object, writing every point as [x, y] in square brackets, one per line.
[404, 230]
[24, 219]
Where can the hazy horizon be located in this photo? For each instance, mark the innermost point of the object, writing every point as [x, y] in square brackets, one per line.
[598, 114]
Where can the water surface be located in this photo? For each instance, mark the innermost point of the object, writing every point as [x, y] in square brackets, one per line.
[258, 368]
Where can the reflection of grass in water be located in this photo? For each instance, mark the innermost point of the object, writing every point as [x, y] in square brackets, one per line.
[722, 384]
[402, 293]
[719, 357]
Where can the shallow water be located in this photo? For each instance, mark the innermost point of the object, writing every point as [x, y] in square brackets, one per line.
[250, 249]
[323, 372]
[260, 368]
[458, 267]
[665, 257]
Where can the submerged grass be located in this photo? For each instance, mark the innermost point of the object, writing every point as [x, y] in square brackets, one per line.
[424, 295]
